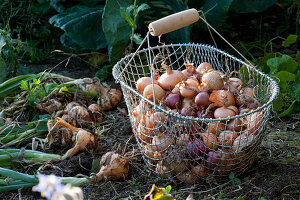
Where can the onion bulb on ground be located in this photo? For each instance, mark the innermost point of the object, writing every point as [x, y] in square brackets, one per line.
[211, 81]
[170, 78]
[222, 98]
[113, 167]
[81, 115]
[158, 92]
[70, 105]
[50, 106]
[96, 112]
[84, 140]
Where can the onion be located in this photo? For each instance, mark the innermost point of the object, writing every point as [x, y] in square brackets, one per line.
[176, 163]
[190, 110]
[210, 140]
[235, 125]
[188, 88]
[189, 71]
[200, 171]
[169, 79]
[222, 98]
[215, 128]
[227, 162]
[144, 81]
[84, 139]
[245, 97]
[226, 138]
[212, 81]
[195, 149]
[50, 106]
[182, 141]
[113, 167]
[223, 112]
[148, 151]
[254, 122]
[139, 110]
[159, 93]
[162, 170]
[161, 143]
[156, 121]
[144, 134]
[243, 142]
[96, 112]
[213, 159]
[234, 85]
[202, 99]
[188, 177]
[174, 101]
[108, 97]
[204, 68]
[81, 115]
[70, 105]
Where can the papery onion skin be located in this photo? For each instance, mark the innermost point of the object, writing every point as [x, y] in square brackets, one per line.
[226, 138]
[200, 171]
[195, 149]
[188, 177]
[234, 85]
[189, 71]
[210, 140]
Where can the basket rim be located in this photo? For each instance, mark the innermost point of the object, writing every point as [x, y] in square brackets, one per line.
[273, 83]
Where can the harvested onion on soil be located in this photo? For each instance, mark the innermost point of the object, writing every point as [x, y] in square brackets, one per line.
[113, 167]
[84, 140]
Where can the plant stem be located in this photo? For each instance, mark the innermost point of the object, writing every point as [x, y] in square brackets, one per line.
[22, 135]
[18, 176]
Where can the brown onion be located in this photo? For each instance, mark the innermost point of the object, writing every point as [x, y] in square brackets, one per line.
[210, 140]
[188, 177]
[215, 128]
[234, 85]
[158, 92]
[222, 98]
[189, 71]
[235, 125]
[245, 97]
[188, 88]
[96, 112]
[113, 167]
[171, 78]
[204, 68]
[254, 122]
[223, 112]
[162, 170]
[243, 142]
[226, 138]
[200, 171]
[212, 81]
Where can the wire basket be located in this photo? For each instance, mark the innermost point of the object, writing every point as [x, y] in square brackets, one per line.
[192, 149]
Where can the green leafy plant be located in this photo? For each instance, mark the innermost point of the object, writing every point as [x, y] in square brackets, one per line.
[234, 180]
[286, 71]
[35, 92]
[10, 50]
[131, 14]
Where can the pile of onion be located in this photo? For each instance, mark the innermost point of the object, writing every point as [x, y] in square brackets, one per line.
[191, 150]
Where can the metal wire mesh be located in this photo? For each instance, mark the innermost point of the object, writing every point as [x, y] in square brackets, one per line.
[186, 148]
